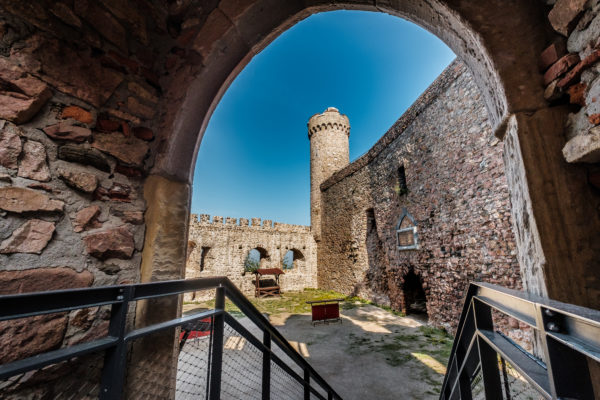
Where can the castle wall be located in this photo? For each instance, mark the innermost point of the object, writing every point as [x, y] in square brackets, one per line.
[457, 194]
[226, 245]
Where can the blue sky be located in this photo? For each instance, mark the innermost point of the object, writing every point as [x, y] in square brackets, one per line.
[254, 157]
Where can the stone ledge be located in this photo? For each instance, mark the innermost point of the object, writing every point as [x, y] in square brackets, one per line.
[583, 148]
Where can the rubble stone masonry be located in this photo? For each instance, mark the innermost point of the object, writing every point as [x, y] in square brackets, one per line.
[220, 249]
[456, 192]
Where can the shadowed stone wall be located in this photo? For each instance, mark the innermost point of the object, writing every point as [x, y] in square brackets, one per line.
[220, 248]
[456, 192]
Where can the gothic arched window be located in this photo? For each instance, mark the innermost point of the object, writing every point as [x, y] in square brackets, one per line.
[406, 232]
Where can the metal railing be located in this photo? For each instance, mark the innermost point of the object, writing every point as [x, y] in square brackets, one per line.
[485, 363]
[213, 369]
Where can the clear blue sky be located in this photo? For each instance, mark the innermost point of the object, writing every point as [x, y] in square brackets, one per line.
[254, 157]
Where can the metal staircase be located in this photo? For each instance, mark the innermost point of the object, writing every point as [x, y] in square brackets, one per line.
[486, 364]
[208, 354]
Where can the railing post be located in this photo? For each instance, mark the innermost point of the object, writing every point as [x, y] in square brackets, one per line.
[115, 359]
[266, 369]
[487, 356]
[216, 362]
[306, 384]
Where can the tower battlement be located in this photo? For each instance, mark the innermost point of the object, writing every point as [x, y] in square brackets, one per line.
[329, 120]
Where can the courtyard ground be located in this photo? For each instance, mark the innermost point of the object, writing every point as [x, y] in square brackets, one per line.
[374, 353]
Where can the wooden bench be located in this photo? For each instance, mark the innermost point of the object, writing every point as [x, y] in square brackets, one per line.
[267, 290]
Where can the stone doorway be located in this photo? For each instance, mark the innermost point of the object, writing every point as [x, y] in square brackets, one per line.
[415, 300]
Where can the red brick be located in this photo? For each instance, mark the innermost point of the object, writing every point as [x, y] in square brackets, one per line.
[77, 113]
[552, 54]
[143, 133]
[573, 75]
[125, 129]
[107, 125]
[563, 65]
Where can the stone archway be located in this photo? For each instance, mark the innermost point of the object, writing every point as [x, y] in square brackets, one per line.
[544, 189]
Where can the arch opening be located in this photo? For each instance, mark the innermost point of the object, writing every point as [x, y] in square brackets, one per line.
[256, 258]
[293, 260]
[415, 299]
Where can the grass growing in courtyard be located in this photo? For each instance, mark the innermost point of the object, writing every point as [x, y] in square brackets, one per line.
[290, 302]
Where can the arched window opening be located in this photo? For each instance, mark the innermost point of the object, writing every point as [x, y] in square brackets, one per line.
[415, 301]
[293, 259]
[406, 232]
[256, 258]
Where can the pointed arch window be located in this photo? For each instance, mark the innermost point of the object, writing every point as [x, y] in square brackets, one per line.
[406, 232]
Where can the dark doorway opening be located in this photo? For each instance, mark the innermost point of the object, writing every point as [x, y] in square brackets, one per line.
[415, 301]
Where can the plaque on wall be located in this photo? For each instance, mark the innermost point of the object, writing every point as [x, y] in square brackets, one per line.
[406, 232]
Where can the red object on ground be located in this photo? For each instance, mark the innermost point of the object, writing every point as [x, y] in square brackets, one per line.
[325, 310]
[196, 333]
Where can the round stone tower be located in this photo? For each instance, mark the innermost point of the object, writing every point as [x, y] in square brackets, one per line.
[329, 152]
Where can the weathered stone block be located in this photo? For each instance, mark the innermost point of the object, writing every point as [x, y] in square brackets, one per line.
[83, 154]
[78, 178]
[20, 200]
[22, 95]
[564, 15]
[10, 146]
[77, 113]
[112, 243]
[86, 219]
[66, 131]
[583, 148]
[559, 68]
[551, 54]
[33, 164]
[43, 279]
[130, 151]
[31, 237]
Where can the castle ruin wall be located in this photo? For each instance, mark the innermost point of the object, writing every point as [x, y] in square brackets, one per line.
[456, 192]
[220, 249]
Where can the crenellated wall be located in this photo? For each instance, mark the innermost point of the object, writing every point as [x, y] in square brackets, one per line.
[220, 246]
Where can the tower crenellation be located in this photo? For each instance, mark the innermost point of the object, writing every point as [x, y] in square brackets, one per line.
[328, 133]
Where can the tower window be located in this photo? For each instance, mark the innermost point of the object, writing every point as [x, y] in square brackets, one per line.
[401, 187]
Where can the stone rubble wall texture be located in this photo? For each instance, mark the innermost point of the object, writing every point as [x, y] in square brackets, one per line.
[328, 134]
[457, 194]
[572, 76]
[231, 242]
[102, 103]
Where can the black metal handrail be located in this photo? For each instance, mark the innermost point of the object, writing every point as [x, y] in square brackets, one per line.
[568, 335]
[115, 344]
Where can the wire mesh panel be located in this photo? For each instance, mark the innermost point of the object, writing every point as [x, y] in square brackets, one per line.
[193, 360]
[152, 370]
[284, 386]
[77, 378]
[514, 385]
[241, 375]
[477, 386]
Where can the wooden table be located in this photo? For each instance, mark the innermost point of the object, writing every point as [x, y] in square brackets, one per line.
[325, 311]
